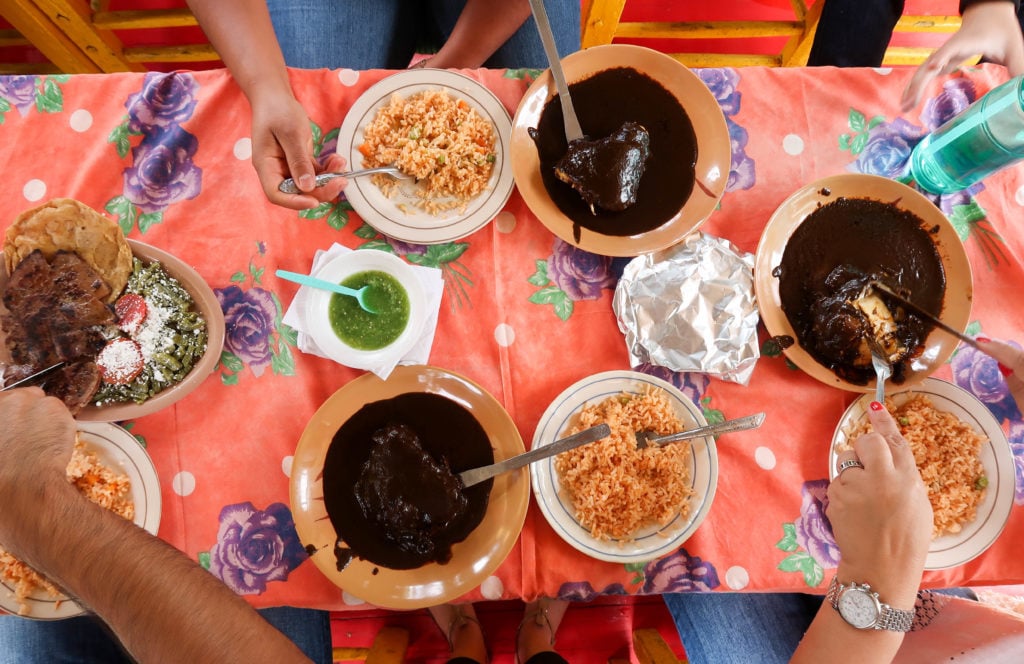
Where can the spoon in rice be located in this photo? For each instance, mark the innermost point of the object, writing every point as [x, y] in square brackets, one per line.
[288, 185]
[646, 438]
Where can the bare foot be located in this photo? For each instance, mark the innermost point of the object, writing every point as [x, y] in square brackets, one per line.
[460, 626]
[540, 623]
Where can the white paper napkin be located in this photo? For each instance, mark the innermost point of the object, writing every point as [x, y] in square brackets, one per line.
[433, 287]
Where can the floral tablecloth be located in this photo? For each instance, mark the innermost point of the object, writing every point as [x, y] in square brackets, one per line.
[524, 314]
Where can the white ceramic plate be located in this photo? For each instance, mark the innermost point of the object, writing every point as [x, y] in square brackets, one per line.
[996, 457]
[410, 224]
[651, 542]
[121, 452]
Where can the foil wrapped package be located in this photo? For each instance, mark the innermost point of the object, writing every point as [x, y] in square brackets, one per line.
[691, 308]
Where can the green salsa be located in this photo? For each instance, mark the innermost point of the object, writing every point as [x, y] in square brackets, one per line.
[361, 329]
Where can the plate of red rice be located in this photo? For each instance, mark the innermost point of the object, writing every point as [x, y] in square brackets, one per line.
[609, 500]
[447, 131]
[964, 459]
[113, 470]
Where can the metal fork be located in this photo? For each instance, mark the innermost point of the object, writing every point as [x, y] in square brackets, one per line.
[645, 438]
[883, 370]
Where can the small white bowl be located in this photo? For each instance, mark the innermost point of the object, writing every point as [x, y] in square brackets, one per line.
[337, 270]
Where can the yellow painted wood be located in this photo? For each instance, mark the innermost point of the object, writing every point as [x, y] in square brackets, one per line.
[798, 49]
[600, 21]
[26, 68]
[389, 647]
[698, 60]
[73, 17]
[13, 38]
[650, 648]
[709, 29]
[51, 41]
[176, 53]
[914, 23]
[144, 18]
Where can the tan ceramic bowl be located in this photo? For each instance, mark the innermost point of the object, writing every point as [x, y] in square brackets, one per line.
[956, 307]
[473, 559]
[714, 155]
[207, 305]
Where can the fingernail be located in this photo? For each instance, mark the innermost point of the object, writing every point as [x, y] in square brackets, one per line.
[876, 406]
[1005, 370]
[983, 340]
[306, 182]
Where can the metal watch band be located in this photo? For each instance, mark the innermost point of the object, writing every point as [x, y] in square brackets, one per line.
[890, 619]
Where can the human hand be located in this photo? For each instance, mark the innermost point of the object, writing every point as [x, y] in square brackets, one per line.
[282, 147]
[987, 28]
[1011, 364]
[36, 439]
[880, 514]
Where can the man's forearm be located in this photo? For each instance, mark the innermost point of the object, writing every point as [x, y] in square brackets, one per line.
[161, 605]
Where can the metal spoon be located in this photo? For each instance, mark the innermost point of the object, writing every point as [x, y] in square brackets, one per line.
[645, 438]
[288, 185]
[569, 119]
[359, 293]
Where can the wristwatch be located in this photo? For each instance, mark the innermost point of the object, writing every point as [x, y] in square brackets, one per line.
[860, 606]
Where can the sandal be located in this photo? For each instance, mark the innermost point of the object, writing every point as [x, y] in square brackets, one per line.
[450, 618]
[539, 616]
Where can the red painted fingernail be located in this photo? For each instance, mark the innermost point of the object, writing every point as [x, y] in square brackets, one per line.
[876, 406]
[982, 339]
[1006, 371]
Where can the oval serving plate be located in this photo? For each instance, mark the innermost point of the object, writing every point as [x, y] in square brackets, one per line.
[118, 450]
[393, 217]
[953, 550]
[473, 559]
[714, 155]
[956, 307]
[650, 542]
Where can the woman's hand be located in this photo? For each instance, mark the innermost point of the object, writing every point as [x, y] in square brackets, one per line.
[880, 514]
[282, 147]
[989, 29]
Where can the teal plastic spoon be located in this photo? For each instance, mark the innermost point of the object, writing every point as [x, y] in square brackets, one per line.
[360, 294]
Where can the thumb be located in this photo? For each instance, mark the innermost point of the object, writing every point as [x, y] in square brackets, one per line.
[298, 153]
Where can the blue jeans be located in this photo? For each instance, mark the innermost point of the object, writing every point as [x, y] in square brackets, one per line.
[385, 34]
[741, 628]
[86, 640]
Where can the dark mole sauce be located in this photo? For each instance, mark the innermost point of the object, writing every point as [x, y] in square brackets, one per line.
[447, 431]
[603, 103]
[873, 238]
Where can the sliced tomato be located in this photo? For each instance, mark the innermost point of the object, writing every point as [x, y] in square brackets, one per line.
[120, 361]
[131, 311]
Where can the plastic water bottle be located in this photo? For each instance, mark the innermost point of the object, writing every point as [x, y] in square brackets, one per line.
[984, 138]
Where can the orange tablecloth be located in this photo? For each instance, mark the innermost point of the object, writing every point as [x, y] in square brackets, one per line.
[223, 453]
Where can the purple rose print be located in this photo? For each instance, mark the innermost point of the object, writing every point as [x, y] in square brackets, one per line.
[813, 530]
[580, 274]
[1016, 439]
[692, 384]
[741, 173]
[722, 83]
[979, 374]
[20, 91]
[162, 171]
[248, 321]
[957, 94]
[165, 100]
[888, 149]
[582, 591]
[255, 546]
[679, 572]
[406, 248]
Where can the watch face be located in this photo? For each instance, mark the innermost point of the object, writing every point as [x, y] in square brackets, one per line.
[858, 608]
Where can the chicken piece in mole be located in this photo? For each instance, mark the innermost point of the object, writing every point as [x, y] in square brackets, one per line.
[606, 172]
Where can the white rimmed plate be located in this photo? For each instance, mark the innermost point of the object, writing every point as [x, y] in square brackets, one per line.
[996, 457]
[651, 542]
[121, 452]
[408, 223]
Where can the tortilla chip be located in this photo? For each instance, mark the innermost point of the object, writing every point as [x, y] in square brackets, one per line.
[67, 224]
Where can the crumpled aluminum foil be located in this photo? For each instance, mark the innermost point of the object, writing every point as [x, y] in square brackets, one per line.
[691, 308]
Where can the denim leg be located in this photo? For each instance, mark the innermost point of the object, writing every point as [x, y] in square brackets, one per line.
[309, 629]
[741, 628]
[523, 48]
[357, 34]
[854, 33]
[79, 640]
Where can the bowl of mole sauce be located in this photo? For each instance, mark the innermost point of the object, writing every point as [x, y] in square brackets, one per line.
[651, 167]
[376, 497]
[347, 333]
[818, 258]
